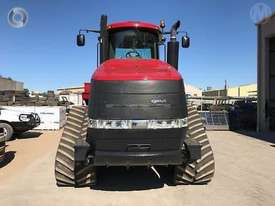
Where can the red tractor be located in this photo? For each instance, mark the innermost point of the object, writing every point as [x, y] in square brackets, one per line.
[137, 114]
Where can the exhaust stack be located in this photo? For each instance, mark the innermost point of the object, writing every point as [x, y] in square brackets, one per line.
[104, 39]
[173, 46]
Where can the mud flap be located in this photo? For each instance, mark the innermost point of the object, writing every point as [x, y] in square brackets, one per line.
[81, 150]
[194, 149]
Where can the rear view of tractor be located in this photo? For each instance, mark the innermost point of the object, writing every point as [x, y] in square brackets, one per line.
[137, 113]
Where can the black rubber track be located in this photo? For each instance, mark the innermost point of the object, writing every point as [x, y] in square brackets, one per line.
[66, 173]
[2, 146]
[202, 170]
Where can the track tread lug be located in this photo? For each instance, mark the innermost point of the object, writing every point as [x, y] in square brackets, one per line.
[202, 170]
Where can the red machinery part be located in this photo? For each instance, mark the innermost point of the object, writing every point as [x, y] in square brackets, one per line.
[135, 69]
[86, 93]
[133, 24]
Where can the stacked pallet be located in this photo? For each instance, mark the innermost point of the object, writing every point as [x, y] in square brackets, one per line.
[2, 145]
[23, 98]
[51, 99]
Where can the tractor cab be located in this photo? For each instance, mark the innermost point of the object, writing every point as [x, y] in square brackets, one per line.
[133, 43]
[134, 40]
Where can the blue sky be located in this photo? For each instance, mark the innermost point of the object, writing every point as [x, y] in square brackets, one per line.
[44, 56]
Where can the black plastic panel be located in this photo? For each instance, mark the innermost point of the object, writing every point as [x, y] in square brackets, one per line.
[138, 86]
[137, 100]
[135, 159]
[119, 140]
[137, 147]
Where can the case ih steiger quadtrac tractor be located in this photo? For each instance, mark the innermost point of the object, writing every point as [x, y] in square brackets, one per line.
[137, 113]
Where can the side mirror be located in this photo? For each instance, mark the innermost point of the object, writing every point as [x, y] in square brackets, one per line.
[80, 40]
[185, 42]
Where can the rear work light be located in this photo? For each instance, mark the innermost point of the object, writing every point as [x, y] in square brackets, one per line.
[138, 124]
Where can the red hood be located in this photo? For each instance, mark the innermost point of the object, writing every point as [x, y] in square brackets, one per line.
[135, 69]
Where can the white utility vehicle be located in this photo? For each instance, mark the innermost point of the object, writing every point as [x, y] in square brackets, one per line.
[15, 121]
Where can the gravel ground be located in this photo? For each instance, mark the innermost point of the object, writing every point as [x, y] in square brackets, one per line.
[245, 175]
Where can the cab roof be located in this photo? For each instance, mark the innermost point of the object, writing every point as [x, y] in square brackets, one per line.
[133, 24]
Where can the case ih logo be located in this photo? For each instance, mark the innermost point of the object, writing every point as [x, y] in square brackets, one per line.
[158, 101]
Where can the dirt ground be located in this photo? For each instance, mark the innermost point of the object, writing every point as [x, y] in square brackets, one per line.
[245, 175]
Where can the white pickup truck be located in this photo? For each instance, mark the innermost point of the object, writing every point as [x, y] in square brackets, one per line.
[16, 121]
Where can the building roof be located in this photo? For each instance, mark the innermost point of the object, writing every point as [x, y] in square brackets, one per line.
[241, 85]
[265, 19]
[70, 88]
[9, 79]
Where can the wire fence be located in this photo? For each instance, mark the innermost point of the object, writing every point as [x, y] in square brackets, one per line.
[215, 120]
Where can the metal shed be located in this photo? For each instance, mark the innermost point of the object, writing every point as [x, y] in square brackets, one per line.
[266, 74]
